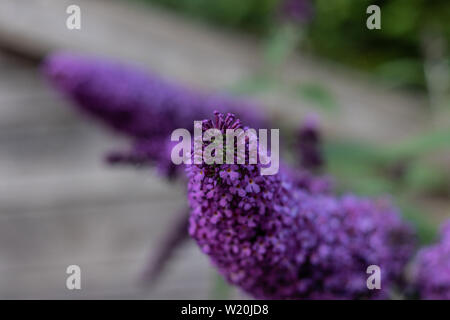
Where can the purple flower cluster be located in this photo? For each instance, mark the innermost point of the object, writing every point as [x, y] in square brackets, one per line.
[297, 11]
[278, 240]
[309, 141]
[432, 268]
[140, 105]
[281, 236]
[146, 109]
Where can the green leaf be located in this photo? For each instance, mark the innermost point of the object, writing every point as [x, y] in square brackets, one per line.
[253, 85]
[426, 231]
[221, 289]
[401, 72]
[421, 144]
[423, 178]
[346, 151]
[280, 44]
[318, 95]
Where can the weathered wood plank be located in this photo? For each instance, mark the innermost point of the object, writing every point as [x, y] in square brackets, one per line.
[111, 242]
[26, 101]
[81, 188]
[34, 111]
[207, 58]
[61, 205]
[189, 276]
[84, 233]
[43, 150]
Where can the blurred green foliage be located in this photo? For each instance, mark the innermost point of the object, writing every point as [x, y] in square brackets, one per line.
[251, 15]
[318, 96]
[402, 170]
[339, 32]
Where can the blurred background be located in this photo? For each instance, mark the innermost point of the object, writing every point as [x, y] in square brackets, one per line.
[383, 97]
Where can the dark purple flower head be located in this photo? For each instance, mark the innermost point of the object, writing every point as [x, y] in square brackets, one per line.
[432, 268]
[309, 144]
[140, 105]
[297, 11]
[275, 239]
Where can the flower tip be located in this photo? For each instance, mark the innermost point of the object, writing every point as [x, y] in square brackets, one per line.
[58, 68]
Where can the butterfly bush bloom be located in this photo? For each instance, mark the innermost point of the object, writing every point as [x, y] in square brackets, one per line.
[309, 144]
[138, 104]
[143, 107]
[275, 238]
[432, 268]
[297, 11]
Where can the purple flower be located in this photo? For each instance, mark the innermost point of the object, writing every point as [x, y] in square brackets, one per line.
[432, 268]
[282, 241]
[252, 184]
[140, 105]
[297, 11]
[309, 144]
[230, 173]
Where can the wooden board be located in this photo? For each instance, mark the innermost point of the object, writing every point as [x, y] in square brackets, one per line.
[208, 58]
[60, 204]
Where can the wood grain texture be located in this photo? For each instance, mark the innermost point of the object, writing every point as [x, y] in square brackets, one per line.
[208, 58]
[60, 204]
